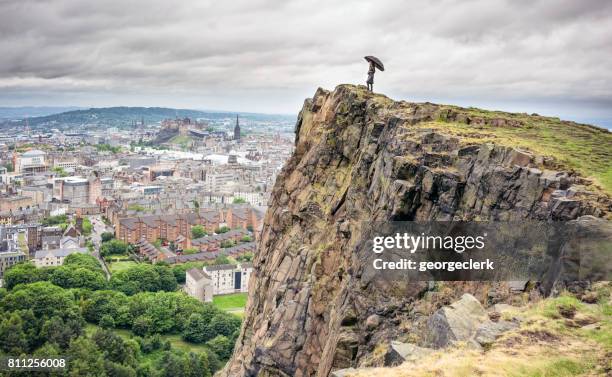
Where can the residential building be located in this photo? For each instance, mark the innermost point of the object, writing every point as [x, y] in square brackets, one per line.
[229, 278]
[10, 258]
[199, 285]
[55, 257]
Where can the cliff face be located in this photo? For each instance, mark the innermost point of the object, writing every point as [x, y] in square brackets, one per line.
[362, 157]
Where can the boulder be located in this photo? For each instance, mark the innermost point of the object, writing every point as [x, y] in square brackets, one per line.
[457, 322]
[400, 352]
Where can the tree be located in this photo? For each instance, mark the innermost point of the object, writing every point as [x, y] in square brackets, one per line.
[87, 227]
[144, 278]
[142, 326]
[13, 340]
[106, 236]
[111, 303]
[224, 324]
[197, 329]
[113, 347]
[70, 277]
[198, 231]
[85, 359]
[21, 273]
[222, 346]
[107, 322]
[113, 247]
[87, 261]
[118, 370]
[44, 298]
[238, 200]
[57, 331]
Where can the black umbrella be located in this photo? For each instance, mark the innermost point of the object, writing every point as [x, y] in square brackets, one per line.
[377, 63]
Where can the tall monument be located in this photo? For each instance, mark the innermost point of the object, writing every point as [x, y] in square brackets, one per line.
[237, 130]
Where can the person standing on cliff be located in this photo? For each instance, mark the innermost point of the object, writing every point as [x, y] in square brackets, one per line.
[374, 63]
[370, 80]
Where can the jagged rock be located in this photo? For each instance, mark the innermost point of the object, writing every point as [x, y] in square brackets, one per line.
[400, 352]
[360, 158]
[457, 322]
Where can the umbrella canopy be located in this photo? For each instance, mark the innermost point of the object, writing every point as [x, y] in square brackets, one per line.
[376, 61]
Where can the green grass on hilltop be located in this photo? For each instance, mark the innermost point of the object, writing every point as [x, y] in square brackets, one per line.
[582, 148]
[585, 149]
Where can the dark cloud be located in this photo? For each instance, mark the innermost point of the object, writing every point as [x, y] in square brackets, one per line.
[268, 54]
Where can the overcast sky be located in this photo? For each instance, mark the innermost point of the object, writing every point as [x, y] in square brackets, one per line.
[553, 57]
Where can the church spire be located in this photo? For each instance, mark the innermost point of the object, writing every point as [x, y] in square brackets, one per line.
[237, 129]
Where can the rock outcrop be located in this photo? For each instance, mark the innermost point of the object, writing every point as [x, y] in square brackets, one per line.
[466, 321]
[361, 157]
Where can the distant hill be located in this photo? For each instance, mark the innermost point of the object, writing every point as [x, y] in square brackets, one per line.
[22, 112]
[125, 116]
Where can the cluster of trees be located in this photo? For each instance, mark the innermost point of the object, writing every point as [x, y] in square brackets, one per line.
[84, 271]
[144, 278]
[44, 320]
[78, 271]
[113, 247]
[45, 312]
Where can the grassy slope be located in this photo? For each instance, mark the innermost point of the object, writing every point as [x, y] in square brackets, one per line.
[546, 344]
[585, 149]
[582, 148]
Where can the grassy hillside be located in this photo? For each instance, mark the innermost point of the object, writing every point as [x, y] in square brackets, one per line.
[582, 148]
[546, 344]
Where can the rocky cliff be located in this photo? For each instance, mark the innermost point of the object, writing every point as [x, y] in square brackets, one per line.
[363, 157]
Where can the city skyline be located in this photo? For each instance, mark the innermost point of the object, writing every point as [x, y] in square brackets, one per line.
[545, 57]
